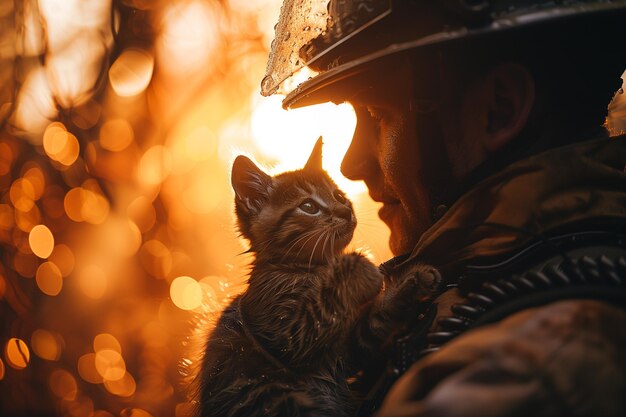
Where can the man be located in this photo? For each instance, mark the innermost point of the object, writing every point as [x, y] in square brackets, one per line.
[479, 129]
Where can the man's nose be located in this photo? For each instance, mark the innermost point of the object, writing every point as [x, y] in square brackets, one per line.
[359, 162]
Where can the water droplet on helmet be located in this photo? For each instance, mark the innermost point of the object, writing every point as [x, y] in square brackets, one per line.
[268, 87]
[306, 28]
[267, 80]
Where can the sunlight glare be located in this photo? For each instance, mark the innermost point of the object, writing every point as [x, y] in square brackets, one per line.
[35, 106]
[287, 137]
[155, 165]
[106, 341]
[63, 257]
[16, 353]
[93, 281]
[110, 364]
[41, 241]
[63, 384]
[123, 387]
[49, 279]
[191, 34]
[131, 72]
[116, 135]
[186, 293]
[46, 345]
[134, 412]
[22, 194]
[156, 258]
[87, 369]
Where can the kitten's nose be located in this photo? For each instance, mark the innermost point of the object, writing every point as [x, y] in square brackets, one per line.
[344, 212]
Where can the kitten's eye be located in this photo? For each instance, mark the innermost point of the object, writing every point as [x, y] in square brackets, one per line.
[339, 196]
[309, 206]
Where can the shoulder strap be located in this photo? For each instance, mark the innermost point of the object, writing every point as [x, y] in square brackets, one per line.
[601, 278]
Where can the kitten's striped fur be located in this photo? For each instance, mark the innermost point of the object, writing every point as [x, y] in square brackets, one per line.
[286, 346]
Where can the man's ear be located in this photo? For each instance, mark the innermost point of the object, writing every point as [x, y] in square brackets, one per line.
[315, 159]
[250, 183]
[511, 96]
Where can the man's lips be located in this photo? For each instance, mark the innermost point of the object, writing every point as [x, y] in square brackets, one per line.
[390, 204]
[383, 198]
[387, 211]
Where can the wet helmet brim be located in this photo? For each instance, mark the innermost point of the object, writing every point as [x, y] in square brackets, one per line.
[332, 84]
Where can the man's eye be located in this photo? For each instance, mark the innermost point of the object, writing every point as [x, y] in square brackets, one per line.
[309, 206]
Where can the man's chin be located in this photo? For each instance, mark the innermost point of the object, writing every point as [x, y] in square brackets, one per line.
[399, 245]
[403, 235]
[391, 215]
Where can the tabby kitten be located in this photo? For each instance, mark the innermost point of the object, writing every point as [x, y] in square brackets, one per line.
[283, 347]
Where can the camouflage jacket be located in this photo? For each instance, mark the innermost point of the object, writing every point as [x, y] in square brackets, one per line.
[531, 318]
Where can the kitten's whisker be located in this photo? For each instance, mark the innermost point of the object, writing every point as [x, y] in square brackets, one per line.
[307, 241]
[327, 233]
[264, 245]
[366, 214]
[378, 249]
[369, 214]
[313, 251]
[373, 223]
[298, 240]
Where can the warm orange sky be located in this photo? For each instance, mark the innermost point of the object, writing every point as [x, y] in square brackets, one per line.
[120, 123]
[116, 218]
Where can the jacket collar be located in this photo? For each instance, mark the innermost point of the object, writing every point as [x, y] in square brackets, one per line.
[527, 199]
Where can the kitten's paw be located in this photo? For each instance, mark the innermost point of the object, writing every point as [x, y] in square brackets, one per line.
[421, 280]
[354, 263]
[360, 275]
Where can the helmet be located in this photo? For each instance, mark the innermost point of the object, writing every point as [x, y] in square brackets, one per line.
[340, 39]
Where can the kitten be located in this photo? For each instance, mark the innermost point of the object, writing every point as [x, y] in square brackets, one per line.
[285, 347]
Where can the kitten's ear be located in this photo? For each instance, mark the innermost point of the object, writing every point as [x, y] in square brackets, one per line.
[315, 160]
[250, 183]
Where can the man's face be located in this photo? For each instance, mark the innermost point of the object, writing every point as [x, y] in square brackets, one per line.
[395, 150]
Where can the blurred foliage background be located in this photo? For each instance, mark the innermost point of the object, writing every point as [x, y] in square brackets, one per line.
[119, 121]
